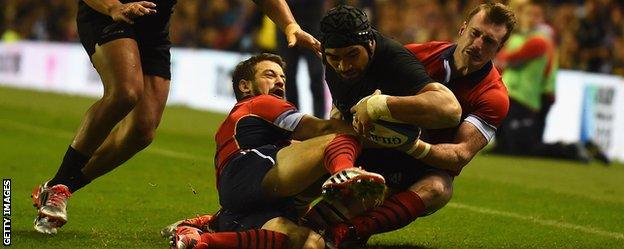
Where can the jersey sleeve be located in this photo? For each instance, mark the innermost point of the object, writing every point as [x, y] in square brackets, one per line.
[280, 112]
[491, 108]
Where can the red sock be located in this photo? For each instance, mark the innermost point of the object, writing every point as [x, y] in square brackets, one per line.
[341, 153]
[396, 212]
[250, 239]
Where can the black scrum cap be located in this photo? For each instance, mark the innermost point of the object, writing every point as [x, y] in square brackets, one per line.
[345, 26]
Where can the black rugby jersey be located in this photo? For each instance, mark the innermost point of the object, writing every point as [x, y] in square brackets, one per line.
[392, 69]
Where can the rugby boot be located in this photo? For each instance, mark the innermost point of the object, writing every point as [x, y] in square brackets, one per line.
[355, 183]
[187, 237]
[205, 223]
[51, 203]
[323, 214]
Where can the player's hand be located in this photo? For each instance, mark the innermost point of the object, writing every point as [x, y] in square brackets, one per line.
[127, 11]
[361, 120]
[297, 37]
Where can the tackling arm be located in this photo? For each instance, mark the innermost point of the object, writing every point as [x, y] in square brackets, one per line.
[311, 126]
[452, 156]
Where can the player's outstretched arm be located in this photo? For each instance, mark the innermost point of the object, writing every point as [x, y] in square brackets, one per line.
[451, 156]
[279, 12]
[120, 11]
[311, 126]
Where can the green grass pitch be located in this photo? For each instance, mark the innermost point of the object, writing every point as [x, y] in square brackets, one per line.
[499, 202]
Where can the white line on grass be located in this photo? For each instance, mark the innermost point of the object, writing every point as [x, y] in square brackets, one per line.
[543, 222]
[68, 135]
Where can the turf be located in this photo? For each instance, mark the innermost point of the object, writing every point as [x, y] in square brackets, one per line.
[498, 202]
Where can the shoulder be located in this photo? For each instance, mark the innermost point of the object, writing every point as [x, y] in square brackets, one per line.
[268, 106]
[387, 48]
[492, 88]
[424, 49]
[267, 100]
[391, 55]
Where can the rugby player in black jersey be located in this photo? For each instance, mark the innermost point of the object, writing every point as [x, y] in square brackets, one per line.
[372, 77]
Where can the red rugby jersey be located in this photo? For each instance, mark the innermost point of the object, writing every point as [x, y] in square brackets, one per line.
[254, 122]
[481, 94]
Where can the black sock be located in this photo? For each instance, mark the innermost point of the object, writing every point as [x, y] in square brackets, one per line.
[70, 174]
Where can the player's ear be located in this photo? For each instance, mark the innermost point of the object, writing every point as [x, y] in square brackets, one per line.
[463, 27]
[245, 86]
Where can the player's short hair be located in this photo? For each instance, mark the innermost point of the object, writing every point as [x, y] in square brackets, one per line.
[498, 14]
[245, 70]
[345, 26]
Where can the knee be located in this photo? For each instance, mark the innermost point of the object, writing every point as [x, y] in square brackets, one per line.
[143, 133]
[441, 191]
[436, 192]
[126, 96]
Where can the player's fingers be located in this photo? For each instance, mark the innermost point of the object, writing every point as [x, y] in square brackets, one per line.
[128, 12]
[361, 129]
[355, 127]
[143, 11]
[292, 40]
[147, 4]
[147, 9]
[316, 46]
[358, 127]
[365, 128]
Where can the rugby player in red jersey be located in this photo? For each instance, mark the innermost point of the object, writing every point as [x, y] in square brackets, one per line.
[258, 169]
[424, 178]
[127, 42]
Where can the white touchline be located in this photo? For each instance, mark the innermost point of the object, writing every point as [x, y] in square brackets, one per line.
[68, 135]
[552, 223]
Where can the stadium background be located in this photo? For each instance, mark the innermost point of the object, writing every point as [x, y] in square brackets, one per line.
[499, 202]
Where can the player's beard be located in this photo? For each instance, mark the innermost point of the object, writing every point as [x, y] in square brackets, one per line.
[255, 90]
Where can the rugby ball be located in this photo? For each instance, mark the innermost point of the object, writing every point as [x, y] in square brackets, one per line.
[392, 134]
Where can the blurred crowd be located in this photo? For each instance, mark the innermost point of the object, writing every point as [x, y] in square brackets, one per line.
[590, 34]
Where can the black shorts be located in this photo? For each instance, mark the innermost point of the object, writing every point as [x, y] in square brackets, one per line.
[243, 203]
[150, 32]
[399, 169]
